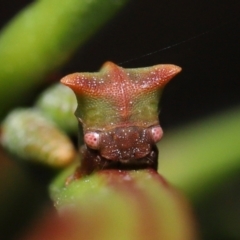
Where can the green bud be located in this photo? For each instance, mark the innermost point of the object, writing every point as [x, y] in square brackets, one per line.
[59, 103]
[29, 135]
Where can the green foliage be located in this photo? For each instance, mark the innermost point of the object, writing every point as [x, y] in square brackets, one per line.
[41, 38]
[124, 200]
[58, 104]
[31, 136]
[200, 157]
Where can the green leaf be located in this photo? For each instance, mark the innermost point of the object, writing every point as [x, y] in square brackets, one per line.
[42, 37]
[114, 204]
[31, 136]
[59, 103]
[199, 157]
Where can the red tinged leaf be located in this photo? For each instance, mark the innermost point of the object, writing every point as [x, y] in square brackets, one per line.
[115, 204]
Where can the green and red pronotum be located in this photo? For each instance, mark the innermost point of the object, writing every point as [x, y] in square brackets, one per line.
[118, 115]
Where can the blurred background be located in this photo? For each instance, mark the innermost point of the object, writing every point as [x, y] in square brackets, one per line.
[203, 38]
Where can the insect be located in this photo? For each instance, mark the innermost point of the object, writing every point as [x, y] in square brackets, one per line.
[118, 115]
[117, 111]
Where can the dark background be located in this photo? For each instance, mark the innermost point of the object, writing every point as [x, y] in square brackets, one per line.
[207, 36]
[209, 81]
[201, 36]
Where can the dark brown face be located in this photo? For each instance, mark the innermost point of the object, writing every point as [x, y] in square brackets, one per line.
[124, 144]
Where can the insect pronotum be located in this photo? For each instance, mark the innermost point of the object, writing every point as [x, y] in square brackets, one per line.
[118, 115]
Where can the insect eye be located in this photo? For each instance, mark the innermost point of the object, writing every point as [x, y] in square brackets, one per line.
[92, 139]
[156, 133]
